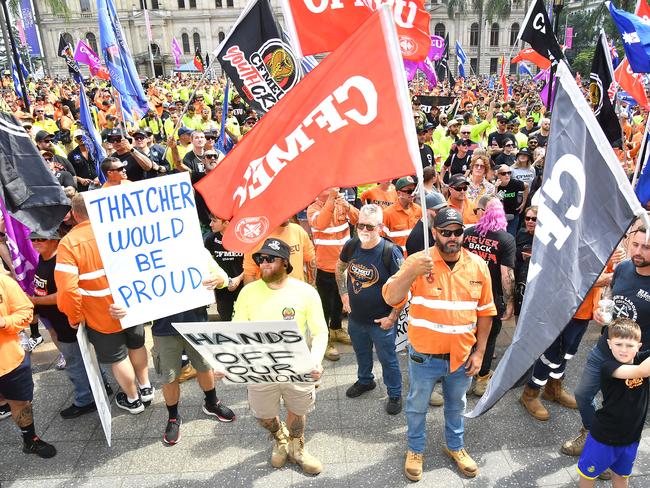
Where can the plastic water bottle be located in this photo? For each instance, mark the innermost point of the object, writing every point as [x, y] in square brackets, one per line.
[24, 341]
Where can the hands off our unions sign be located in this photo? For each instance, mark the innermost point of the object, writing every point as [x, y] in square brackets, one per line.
[252, 352]
[149, 239]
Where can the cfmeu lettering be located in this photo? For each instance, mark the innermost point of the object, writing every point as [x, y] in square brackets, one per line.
[153, 200]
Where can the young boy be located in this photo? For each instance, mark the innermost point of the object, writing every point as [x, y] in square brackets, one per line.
[614, 437]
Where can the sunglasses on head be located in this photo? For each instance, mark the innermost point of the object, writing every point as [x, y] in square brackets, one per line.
[449, 233]
[531, 219]
[368, 227]
[264, 258]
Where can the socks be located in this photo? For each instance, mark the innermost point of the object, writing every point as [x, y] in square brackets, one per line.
[34, 330]
[131, 400]
[211, 397]
[173, 411]
[28, 433]
[142, 387]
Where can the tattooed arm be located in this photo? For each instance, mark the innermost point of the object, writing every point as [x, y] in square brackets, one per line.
[508, 286]
[341, 283]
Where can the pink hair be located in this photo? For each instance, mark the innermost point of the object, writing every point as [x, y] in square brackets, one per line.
[493, 219]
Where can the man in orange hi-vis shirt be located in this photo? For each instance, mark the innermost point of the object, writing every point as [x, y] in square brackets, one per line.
[330, 217]
[401, 216]
[16, 384]
[383, 194]
[450, 318]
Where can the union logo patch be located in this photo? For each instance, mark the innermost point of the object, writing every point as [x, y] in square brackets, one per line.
[251, 229]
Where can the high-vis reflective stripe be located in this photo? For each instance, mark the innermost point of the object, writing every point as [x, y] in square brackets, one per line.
[66, 268]
[445, 329]
[485, 307]
[548, 363]
[331, 242]
[92, 275]
[398, 233]
[314, 217]
[444, 304]
[333, 230]
[95, 293]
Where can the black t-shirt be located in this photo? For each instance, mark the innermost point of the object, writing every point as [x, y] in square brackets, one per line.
[456, 164]
[540, 138]
[63, 164]
[195, 164]
[625, 404]
[504, 158]
[508, 195]
[631, 295]
[524, 130]
[231, 262]
[415, 240]
[85, 168]
[497, 248]
[134, 171]
[501, 138]
[64, 178]
[426, 156]
[44, 284]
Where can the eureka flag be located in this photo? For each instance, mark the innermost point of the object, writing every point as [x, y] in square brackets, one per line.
[586, 204]
[462, 57]
[353, 107]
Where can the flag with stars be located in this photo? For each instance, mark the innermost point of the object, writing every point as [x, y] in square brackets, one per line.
[635, 33]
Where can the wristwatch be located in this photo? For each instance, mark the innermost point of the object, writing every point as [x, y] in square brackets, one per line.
[230, 282]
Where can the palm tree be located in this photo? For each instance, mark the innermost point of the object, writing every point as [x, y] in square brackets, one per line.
[487, 10]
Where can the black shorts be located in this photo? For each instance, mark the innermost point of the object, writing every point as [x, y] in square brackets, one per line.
[113, 348]
[18, 384]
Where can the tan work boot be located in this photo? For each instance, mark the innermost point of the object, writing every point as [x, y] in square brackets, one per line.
[481, 384]
[413, 466]
[530, 400]
[340, 335]
[332, 353]
[436, 400]
[553, 391]
[280, 446]
[464, 461]
[575, 446]
[187, 373]
[299, 455]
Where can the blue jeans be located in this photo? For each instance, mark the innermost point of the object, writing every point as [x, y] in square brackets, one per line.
[588, 386]
[363, 337]
[423, 376]
[74, 367]
[513, 225]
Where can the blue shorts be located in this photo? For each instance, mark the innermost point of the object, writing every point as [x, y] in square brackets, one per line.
[597, 457]
[18, 384]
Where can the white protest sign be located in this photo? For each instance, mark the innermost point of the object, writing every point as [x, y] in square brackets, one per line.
[402, 326]
[252, 352]
[96, 381]
[150, 242]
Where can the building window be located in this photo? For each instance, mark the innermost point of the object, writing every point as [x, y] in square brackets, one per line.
[494, 35]
[155, 5]
[514, 33]
[185, 39]
[218, 3]
[439, 30]
[155, 50]
[85, 5]
[473, 34]
[230, 3]
[192, 3]
[513, 68]
[91, 40]
[494, 65]
[222, 36]
[181, 4]
[473, 63]
[197, 42]
[68, 39]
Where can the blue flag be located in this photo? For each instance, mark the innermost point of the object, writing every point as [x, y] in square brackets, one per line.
[523, 69]
[124, 76]
[462, 57]
[14, 74]
[635, 33]
[91, 138]
[491, 83]
[224, 144]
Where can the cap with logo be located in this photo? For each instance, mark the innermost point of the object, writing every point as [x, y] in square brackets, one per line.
[278, 248]
[404, 182]
[448, 216]
[457, 180]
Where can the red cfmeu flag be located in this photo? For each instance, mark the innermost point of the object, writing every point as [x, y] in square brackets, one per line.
[631, 82]
[529, 54]
[348, 122]
[320, 26]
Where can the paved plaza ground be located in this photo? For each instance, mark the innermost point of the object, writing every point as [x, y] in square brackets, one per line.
[358, 443]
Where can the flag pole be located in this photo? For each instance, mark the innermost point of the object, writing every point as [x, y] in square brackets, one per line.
[16, 58]
[646, 153]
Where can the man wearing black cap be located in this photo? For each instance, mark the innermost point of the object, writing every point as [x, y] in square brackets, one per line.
[426, 153]
[530, 126]
[82, 161]
[64, 177]
[458, 186]
[277, 296]
[137, 164]
[155, 152]
[450, 317]
[500, 135]
[44, 142]
[415, 243]
[178, 150]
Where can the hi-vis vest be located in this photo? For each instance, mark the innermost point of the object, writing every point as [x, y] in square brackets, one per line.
[399, 222]
[82, 286]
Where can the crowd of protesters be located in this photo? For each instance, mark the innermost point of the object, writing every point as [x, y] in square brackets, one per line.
[361, 248]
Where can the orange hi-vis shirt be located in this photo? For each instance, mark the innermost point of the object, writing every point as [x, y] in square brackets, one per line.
[82, 287]
[466, 210]
[444, 309]
[302, 251]
[330, 225]
[17, 311]
[380, 197]
[400, 222]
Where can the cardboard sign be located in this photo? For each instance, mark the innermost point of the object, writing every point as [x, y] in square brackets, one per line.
[402, 325]
[150, 242]
[252, 352]
[96, 381]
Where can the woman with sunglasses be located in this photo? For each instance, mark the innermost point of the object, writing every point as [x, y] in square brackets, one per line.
[478, 183]
[524, 243]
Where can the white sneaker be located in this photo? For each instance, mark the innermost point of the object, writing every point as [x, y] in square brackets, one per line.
[34, 342]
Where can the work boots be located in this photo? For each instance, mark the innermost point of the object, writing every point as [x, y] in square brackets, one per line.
[530, 400]
[280, 446]
[340, 336]
[553, 391]
[413, 465]
[575, 446]
[299, 455]
[481, 384]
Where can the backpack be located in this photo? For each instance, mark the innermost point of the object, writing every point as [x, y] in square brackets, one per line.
[386, 256]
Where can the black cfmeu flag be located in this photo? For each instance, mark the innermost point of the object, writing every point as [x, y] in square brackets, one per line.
[259, 62]
[601, 78]
[65, 52]
[442, 65]
[538, 32]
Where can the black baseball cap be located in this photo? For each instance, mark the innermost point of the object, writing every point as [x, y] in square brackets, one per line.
[278, 248]
[448, 216]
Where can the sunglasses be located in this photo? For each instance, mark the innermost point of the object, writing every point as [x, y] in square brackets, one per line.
[39, 240]
[139, 138]
[368, 227]
[210, 156]
[463, 132]
[78, 138]
[460, 188]
[47, 158]
[477, 209]
[123, 168]
[505, 173]
[449, 233]
[531, 219]
[479, 166]
[509, 145]
[210, 138]
[115, 141]
[263, 258]
[408, 192]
